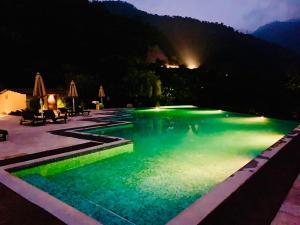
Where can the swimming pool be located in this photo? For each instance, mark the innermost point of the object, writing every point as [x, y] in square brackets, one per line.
[176, 156]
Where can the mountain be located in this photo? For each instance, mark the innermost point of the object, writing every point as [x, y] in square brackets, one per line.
[236, 62]
[296, 20]
[286, 34]
[127, 50]
[198, 42]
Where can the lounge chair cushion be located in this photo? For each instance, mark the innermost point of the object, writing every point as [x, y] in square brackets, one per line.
[55, 115]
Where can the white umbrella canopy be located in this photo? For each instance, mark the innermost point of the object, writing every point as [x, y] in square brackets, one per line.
[39, 89]
[73, 92]
[101, 93]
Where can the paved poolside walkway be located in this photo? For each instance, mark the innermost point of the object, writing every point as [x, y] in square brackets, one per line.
[289, 212]
[24, 140]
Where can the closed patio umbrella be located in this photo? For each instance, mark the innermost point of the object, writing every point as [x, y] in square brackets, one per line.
[73, 93]
[39, 90]
[101, 93]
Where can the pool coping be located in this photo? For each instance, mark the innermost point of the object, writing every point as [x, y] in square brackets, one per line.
[192, 215]
[206, 204]
[56, 207]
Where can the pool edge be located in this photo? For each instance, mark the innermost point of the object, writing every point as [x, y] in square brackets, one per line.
[54, 206]
[206, 204]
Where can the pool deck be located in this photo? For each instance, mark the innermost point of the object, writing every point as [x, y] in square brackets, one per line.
[46, 141]
[24, 140]
[289, 212]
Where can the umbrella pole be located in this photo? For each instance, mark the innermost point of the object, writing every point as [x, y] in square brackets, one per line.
[101, 100]
[41, 105]
[73, 104]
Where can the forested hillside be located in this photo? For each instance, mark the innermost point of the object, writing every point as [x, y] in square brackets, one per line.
[126, 50]
[286, 34]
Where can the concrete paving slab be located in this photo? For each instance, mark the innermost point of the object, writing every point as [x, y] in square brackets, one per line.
[23, 139]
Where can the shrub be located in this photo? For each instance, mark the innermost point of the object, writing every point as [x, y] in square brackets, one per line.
[34, 104]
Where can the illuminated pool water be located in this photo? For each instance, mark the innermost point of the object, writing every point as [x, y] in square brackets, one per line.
[177, 155]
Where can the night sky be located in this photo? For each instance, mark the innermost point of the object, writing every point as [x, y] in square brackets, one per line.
[240, 14]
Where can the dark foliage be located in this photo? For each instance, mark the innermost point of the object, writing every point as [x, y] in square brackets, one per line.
[107, 43]
[65, 38]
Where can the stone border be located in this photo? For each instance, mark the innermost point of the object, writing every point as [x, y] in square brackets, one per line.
[62, 211]
[57, 151]
[289, 212]
[58, 157]
[54, 206]
[206, 204]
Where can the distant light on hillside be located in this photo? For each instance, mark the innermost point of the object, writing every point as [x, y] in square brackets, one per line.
[190, 59]
[192, 63]
[172, 66]
[192, 66]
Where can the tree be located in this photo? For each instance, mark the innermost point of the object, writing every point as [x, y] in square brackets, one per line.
[142, 87]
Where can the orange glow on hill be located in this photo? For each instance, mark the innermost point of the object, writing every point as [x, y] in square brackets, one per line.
[190, 64]
[190, 59]
[172, 66]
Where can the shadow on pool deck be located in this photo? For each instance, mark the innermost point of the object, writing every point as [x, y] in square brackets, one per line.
[15, 210]
[259, 199]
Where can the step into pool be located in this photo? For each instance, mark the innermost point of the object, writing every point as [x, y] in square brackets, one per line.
[175, 157]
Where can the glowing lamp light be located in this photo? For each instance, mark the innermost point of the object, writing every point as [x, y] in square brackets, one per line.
[51, 99]
[247, 120]
[172, 66]
[207, 112]
[177, 106]
[263, 118]
[192, 66]
[192, 63]
[2, 116]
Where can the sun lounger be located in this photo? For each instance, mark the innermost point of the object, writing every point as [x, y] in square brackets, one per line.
[63, 111]
[32, 118]
[78, 111]
[3, 134]
[55, 117]
[84, 111]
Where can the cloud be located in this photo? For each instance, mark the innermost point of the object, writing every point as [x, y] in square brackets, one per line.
[241, 14]
[272, 10]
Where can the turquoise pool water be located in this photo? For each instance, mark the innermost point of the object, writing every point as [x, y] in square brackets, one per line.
[176, 156]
